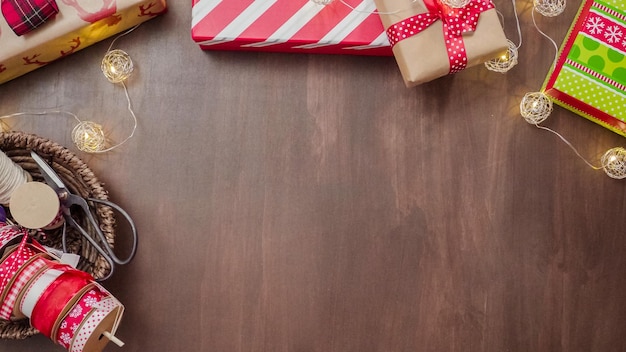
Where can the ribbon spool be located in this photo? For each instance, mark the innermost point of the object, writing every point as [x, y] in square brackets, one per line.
[99, 327]
[35, 286]
[19, 281]
[35, 205]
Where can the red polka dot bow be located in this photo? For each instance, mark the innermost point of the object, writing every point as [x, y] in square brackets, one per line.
[25, 15]
[456, 21]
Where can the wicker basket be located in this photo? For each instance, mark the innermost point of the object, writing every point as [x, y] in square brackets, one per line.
[80, 180]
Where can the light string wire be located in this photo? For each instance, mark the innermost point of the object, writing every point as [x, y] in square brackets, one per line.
[536, 107]
[556, 55]
[129, 106]
[508, 60]
[88, 136]
[517, 24]
[554, 44]
[536, 123]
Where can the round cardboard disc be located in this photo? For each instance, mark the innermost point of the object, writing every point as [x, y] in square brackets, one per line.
[98, 341]
[34, 205]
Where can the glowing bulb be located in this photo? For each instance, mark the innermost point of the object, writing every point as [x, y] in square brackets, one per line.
[117, 66]
[549, 8]
[504, 62]
[535, 107]
[89, 137]
[535, 104]
[614, 162]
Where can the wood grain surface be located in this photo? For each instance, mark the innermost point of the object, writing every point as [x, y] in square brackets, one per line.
[303, 203]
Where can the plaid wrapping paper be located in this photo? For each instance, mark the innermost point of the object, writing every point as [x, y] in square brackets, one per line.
[25, 15]
[79, 24]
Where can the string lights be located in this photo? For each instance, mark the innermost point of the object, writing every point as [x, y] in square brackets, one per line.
[549, 8]
[504, 62]
[508, 60]
[536, 107]
[89, 136]
[117, 66]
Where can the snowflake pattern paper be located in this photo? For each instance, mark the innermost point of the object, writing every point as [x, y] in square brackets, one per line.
[589, 77]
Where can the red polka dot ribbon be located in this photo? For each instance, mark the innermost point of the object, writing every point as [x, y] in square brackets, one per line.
[8, 233]
[13, 263]
[109, 306]
[77, 315]
[456, 21]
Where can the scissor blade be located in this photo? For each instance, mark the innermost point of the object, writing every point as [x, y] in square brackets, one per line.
[48, 173]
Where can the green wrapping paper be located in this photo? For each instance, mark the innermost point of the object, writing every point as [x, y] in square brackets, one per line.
[589, 77]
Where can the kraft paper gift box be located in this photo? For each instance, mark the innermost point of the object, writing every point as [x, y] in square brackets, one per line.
[589, 77]
[300, 26]
[422, 50]
[77, 25]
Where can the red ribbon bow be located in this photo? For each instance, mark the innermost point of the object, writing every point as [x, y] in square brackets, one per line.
[456, 21]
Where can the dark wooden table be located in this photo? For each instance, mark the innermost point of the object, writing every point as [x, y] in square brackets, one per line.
[306, 203]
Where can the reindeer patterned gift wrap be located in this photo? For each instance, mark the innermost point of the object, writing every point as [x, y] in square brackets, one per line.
[78, 24]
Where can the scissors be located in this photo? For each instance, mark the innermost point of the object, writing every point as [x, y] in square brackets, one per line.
[69, 201]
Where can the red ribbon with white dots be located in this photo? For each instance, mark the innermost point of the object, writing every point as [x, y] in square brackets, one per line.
[456, 21]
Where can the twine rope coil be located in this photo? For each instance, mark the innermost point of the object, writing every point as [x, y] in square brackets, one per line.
[11, 177]
[80, 180]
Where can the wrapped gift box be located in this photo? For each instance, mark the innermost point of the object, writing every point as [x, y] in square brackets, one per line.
[78, 24]
[348, 27]
[425, 49]
[589, 77]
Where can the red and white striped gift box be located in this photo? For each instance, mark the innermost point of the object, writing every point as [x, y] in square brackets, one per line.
[341, 27]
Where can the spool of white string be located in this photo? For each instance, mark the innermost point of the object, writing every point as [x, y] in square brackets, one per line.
[11, 177]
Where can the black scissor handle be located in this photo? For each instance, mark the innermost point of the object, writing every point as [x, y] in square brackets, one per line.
[133, 228]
